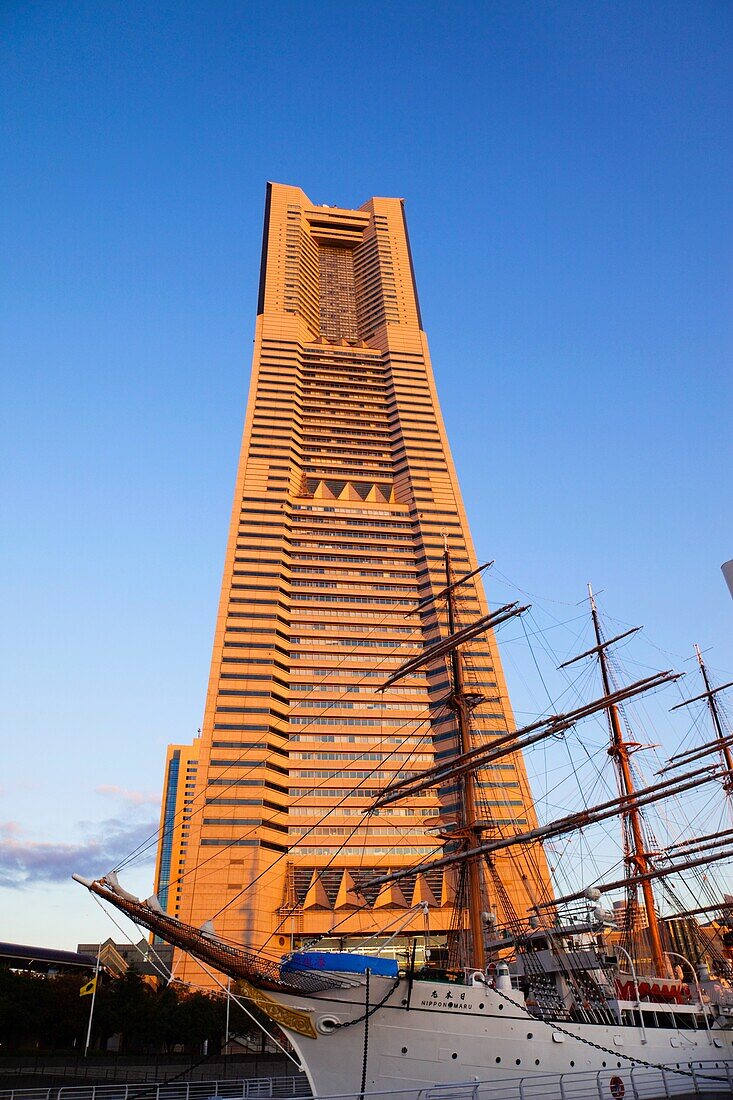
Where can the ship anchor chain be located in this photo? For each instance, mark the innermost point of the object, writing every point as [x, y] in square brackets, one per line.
[370, 1011]
[613, 1053]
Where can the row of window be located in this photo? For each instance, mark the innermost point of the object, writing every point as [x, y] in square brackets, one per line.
[359, 811]
[338, 704]
[373, 851]
[342, 587]
[387, 661]
[314, 570]
[331, 520]
[365, 617]
[341, 830]
[305, 774]
[356, 628]
[368, 536]
[352, 643]
[361, 673]
[352, 739]
[339, 558]
[417, 758]
[408, 722]
[337, 546]
[383, 600]
[355, 689]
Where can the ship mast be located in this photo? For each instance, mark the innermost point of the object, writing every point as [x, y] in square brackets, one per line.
[712, 702]
[619, 753]
[722, 742]
[469, 830]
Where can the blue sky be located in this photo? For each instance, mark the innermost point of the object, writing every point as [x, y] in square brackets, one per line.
[566, 169]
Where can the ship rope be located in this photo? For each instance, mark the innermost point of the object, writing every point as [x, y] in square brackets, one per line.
[527, 860]
[331, 810]
[151, 841]
[370, 1010]
[607, 1050]
[337, 850]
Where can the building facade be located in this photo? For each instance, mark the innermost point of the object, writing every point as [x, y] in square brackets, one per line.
[346, 497]
[179, 787]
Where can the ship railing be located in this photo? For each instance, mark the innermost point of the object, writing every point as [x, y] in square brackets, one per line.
[264, 1088]
[709, 1080]
[705, 1079]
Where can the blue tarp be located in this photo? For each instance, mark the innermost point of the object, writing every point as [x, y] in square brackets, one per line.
[342, 961]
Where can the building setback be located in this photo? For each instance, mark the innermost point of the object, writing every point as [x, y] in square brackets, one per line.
[345, 499]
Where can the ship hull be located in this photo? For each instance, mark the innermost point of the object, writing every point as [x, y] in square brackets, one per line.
[454, 1034]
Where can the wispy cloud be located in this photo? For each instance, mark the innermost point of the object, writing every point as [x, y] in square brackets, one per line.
[24, 862]
[135, 798]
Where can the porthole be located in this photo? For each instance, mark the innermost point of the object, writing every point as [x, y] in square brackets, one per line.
[454, 1055]
[498, 1060]
[529, 1034]
[481, 1005]
[518, 1062]
[501, 1008]
[603, 1064]
[572, 1063]
[327, 1024]
[536, 1061]
[404, 1050]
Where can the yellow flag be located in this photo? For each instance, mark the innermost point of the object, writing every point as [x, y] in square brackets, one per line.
[88, 988]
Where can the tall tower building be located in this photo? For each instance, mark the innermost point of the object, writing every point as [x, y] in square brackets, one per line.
[346, 496]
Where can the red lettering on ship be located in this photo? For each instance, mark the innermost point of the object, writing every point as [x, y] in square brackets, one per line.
[676, 992]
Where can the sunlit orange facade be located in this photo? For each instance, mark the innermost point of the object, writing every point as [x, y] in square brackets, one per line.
[345, 495]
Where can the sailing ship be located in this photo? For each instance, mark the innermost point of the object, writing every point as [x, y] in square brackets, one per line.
[567, 985]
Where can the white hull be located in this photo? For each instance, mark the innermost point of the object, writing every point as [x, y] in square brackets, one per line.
[460, 1033]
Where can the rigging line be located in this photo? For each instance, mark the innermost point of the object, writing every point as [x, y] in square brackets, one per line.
[153, 839]
[168, 976]
[325, 709]
[337, 850]
[284, 854]
[286, 917]
[571, 686]
[410, 915]
[162, 969]
[497, 573]
[536, 665]
[661, 649]
[227, 990]
[540, 631]
[202, 863]
[352, 912]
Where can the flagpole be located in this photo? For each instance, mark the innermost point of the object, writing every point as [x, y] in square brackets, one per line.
[91, 1007]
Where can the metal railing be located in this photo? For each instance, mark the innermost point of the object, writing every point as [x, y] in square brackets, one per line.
[277, 1088]
[711, 1080]
[703, 1079]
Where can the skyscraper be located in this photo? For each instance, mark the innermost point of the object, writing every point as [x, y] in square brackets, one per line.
[346, 497]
